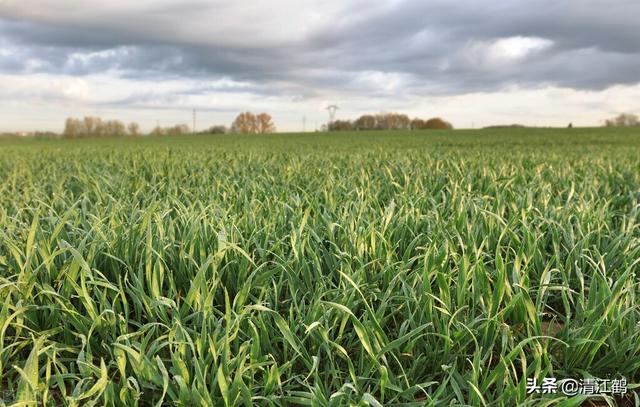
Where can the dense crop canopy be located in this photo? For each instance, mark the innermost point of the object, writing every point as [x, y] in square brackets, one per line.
[324, 269]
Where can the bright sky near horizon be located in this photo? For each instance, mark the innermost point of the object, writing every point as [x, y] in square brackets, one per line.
[534, 62]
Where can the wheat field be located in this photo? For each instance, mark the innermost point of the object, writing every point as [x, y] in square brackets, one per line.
[418, 268]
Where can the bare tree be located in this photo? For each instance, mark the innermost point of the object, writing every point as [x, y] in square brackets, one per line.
[178, 130]
[340, 125]
[397, 121]
[623, 120]
[157, 131]
[245, 123]
[114, 128]
[389, 121]
[365, 122]
[134, 129]
[91, 125]
[264, 124]
[382, 122]
[72, 128]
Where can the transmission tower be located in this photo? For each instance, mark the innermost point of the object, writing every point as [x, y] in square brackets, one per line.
[332, 113]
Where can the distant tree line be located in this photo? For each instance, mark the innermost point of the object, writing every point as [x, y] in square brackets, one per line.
[34, 134]
[45, 134]
[217, 129]
[388, 121]
[244, 123]
[262, 123]
[177, 130]
[623, 120]
[96, 127]
[505, 126]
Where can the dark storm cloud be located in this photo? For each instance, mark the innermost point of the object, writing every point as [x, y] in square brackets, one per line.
[435, 46]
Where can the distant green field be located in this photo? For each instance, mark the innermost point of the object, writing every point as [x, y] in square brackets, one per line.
[421, 268]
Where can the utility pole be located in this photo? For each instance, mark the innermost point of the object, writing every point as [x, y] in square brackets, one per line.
[332, 114]
[194, 121]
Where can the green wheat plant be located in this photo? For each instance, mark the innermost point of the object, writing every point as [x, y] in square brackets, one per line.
[423, 268]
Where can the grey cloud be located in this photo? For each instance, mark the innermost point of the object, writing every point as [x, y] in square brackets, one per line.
[594, 45]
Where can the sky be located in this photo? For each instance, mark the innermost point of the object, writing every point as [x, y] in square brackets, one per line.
[474, 63]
